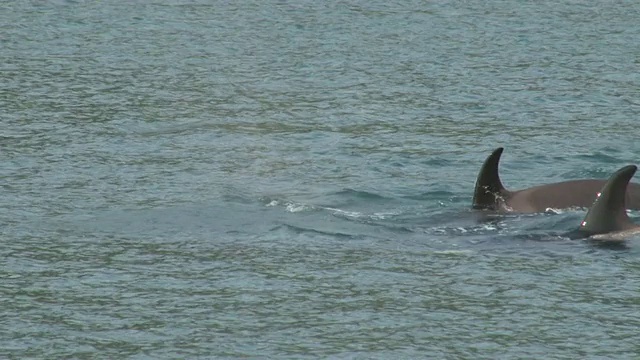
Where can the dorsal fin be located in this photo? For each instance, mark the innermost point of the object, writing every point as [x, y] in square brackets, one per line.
[608, 212]
[488, 185]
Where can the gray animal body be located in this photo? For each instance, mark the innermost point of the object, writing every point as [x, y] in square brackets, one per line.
[490, 194]
[607, 218]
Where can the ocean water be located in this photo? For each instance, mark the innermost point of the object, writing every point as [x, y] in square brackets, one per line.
[293, 179]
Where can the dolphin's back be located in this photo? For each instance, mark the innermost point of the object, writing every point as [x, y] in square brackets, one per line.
[568, 194]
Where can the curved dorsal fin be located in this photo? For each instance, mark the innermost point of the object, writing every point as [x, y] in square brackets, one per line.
[488, 185]
[608, 212]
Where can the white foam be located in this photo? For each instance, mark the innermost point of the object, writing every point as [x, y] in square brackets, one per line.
[294, 208]
[384, 215]
[554, 211]
[352, 214]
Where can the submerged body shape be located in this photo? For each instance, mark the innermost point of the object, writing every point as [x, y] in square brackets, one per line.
[490, 194]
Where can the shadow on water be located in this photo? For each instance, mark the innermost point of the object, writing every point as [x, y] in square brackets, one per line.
[552, 227]
[610, 245]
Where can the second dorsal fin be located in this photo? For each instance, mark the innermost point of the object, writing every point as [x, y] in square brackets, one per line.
[608, 212]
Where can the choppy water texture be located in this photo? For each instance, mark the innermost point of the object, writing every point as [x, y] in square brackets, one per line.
[273, 179]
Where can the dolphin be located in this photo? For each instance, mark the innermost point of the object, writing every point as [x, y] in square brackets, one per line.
[490, 194]
[607, 218]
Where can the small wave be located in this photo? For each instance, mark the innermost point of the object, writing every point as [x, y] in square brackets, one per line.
[453, 252]
[349, 214]
[273, 203]
[290, 206]
[305, 230]
[553, 211]
[439, 196]
[359, 194]
[294, 207]
[461, 230]
[360, 215]
[385, 215]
